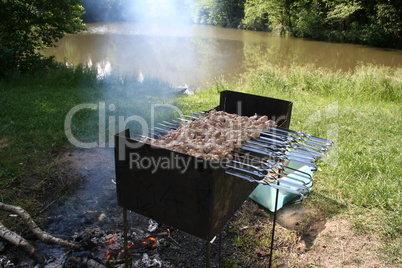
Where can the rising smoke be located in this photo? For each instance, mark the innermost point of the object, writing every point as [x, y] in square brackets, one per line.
[136, 88]
[154, 11]
[167, 11]
[147, 60]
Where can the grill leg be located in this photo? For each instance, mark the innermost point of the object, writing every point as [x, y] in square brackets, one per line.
[126, 260]
[208, 254]
[220, 249]
[273, 230]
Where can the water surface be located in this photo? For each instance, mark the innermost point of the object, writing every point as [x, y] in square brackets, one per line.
[198, 54]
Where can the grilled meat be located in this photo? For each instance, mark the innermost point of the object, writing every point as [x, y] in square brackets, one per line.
[214, 135]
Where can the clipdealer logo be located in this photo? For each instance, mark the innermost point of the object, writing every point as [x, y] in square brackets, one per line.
[174, 161]
[109, 122]
[182, 163]
[109, 125]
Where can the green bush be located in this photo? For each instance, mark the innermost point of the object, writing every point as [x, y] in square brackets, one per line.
[27, 26]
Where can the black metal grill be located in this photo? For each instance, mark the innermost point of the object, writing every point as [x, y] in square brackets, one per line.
[199, 197]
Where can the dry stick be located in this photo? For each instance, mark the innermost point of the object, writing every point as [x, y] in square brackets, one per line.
[46, 207]
[35, 228]
[19, 241]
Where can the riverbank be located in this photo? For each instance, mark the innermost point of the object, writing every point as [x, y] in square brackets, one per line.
[358, 181]
[364, 22]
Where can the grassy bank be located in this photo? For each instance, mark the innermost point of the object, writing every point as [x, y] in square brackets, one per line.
[360, 111]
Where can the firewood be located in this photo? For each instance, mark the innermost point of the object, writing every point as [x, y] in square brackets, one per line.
[45, 237]
[19, 241]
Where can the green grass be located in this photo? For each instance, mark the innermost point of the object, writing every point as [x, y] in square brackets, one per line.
[361, 111]
[33, 111]
[351, 109]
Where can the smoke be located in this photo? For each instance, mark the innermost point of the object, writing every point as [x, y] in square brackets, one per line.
[167, 11]
[136, 65]
[148, 58]
[158, 11]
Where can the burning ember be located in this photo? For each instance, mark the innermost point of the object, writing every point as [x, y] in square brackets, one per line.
[111, 252]
[115, 248]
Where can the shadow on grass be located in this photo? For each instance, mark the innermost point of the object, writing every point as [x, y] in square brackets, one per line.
[309, 218]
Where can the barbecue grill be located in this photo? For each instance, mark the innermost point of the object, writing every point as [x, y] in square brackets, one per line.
[199, 196]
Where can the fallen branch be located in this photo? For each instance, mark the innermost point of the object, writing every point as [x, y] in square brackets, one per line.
[46, 207]
[19, 241]
[45, 237]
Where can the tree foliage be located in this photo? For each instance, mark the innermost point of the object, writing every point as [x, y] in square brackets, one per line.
[256, 15]
[385, 26]
[362, 21]
[359, 21]
[228, 13]
[369, 22]
[136, 10]
[104, 10]
[27, 26]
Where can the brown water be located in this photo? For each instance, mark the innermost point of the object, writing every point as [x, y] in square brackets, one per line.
[198, 54]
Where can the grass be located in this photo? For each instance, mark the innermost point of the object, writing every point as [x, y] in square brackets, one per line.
[33, 111]
[31, 124]
[360, 111]
[365, 124]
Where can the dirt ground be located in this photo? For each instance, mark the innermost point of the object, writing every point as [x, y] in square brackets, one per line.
[92, 210]
[332, 243]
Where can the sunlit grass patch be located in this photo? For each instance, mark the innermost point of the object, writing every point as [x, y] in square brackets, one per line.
[34, 111]
[361, 111]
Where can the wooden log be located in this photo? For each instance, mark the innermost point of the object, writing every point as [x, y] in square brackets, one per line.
[21, 242]
[45, 237]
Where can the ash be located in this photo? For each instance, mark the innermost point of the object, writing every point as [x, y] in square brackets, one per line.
[92, 218]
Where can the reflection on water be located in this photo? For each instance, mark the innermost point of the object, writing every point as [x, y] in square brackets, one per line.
[197, 54]
[103, 67]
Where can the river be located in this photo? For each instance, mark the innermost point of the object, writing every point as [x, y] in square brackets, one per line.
[195, 55]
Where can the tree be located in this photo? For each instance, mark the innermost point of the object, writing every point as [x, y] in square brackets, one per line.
[28, 26]
[227, 13]
[341, 13]
[269, 15]
[105, 10]
[256, 15]
[385, 27]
